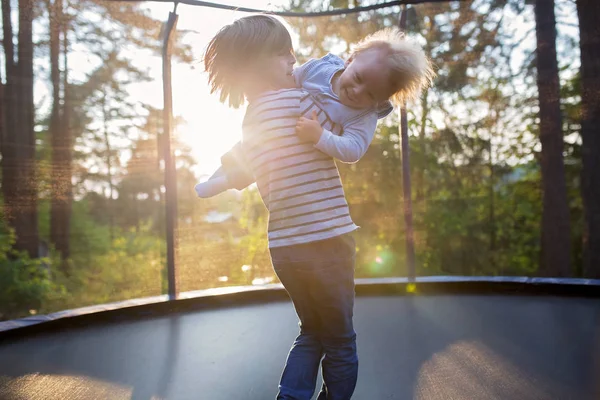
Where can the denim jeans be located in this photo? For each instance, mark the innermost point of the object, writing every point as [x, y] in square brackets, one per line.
[319, 278]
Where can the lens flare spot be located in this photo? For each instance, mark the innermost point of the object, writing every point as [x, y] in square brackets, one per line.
[262, 281]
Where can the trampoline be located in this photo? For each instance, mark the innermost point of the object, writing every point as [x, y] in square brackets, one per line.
[439, 338]
[445, 338]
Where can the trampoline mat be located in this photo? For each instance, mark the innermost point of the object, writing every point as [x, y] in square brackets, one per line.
[410, 347]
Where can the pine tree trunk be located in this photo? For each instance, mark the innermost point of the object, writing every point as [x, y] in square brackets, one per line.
[2, 123]
[492, 210]
[8, 100]
[19, 178]
[10, 148]
[27, 229]
[492, 183]
[556, 246]
[55, 125]
[105, 117]
[60, 141]
[589, 30]
[68, 139]
[420, 176]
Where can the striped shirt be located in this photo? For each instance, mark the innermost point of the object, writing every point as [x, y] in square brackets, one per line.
[299, 185]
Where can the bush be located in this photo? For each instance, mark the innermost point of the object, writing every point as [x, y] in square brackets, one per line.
[25, 283]
[131, 267]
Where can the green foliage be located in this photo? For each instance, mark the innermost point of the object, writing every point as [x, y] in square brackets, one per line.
[133, 267]
[25, 284]
[101, 270]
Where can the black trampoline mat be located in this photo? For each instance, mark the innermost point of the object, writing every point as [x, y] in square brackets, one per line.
[410, 347]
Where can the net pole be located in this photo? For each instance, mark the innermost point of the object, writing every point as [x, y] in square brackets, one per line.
[406, 184]
[169, 157]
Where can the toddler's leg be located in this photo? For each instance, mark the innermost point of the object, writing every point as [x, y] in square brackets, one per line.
[216, 184]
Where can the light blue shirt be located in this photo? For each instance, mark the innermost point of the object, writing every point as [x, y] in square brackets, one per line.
[358, 125]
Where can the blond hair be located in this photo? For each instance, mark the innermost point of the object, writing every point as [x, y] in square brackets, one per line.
[410, 69]
[238, 47]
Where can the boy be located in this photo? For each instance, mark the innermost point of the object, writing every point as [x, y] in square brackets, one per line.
[309, 220]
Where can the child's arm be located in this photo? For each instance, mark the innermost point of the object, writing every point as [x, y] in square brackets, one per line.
[350, 146]
[231, 175]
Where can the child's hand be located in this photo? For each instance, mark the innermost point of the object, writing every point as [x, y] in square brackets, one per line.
[309, 129]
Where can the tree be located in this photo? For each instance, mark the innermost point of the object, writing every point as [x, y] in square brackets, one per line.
[589, 14]
[141, 188]
[18, 151]
[556, 243]
[60, 134]
[124, 25]
[2, 121]
[111, 119]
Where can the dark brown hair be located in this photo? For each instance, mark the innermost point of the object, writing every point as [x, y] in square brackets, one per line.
[236, 48]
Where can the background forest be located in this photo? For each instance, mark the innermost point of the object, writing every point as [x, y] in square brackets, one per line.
[504, 150]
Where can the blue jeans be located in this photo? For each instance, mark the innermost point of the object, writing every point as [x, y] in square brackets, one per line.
[319, 277]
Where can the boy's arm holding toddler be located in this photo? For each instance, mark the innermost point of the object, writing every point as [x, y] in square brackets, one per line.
[350, 146]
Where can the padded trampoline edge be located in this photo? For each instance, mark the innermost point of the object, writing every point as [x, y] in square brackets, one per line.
[238, 296]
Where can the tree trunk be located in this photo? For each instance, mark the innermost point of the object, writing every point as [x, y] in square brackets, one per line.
[10, 148]
[55, 125]
[105, 117]
[136, 212]
[555, 245]
[492, 210]
[420, 176]
[2, 124]
[27, 227]
[492, 110]
[60, 140]
[19, 178]
[589, 31]
[68, 155]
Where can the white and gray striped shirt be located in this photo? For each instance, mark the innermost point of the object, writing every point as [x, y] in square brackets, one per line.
[299, 185]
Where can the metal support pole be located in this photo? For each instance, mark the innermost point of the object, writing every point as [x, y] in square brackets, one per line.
[407, 192]
[170, 168]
